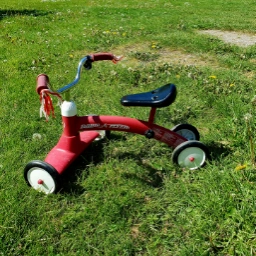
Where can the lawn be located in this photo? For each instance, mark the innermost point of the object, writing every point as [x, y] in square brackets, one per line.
[124, 196]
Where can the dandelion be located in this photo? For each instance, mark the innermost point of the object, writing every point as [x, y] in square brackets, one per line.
[154, 45]
[240, 167]
[113, 73]
[212, 77]
[190, 75]
[247, 117]
[231, 85]
[37, 136]
[71, 55]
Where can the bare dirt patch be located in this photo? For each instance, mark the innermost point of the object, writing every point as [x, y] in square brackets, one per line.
[165, 55]
[179, 57]
[237, 38]
[187, 59]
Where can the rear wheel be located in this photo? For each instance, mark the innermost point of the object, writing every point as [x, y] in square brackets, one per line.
[187, 131]
[103, 134]
[190, 154]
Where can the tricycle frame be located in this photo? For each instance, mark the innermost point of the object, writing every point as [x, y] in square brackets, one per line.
[80, 131]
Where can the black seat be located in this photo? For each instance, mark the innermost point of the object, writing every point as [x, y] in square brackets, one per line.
[159, 98]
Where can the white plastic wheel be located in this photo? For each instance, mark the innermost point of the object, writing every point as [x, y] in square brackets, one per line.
[102, 133]
[192, 158]
[41, 176]
[189, 135]
[101, 136]
[41, 180]
[187, 131]
[190, 154]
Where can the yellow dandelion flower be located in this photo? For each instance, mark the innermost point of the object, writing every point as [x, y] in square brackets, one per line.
[240, 167]
[213, 77]
[231, 85]
[71, 55]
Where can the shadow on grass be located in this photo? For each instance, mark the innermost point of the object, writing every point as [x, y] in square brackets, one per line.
[25, 12]
[152, 176]
[94, 155]
[218, 150]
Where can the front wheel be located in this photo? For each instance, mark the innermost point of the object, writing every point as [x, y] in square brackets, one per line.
[187, 131]
[190, 154]
[41, 176]
[102, 135]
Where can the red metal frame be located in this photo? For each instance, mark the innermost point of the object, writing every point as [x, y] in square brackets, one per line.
[79, 132]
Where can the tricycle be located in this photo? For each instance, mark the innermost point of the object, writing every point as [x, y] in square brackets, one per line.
[80, 131]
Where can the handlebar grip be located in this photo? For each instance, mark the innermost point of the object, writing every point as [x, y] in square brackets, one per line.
[42, 82]
[102, 56]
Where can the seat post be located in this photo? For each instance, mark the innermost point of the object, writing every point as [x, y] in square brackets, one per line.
[152, 115]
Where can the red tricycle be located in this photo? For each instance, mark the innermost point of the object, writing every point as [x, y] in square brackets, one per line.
[80, 131]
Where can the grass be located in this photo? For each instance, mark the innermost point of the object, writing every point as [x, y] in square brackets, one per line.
[124, 196]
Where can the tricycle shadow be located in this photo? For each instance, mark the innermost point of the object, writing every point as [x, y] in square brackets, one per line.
[94, 155]
[152, 176]
[218, 151]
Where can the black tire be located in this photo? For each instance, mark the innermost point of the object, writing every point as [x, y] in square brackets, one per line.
[190, 154]
[187, 131]
[38, 171]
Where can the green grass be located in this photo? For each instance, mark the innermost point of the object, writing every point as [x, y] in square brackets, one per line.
[124, 196]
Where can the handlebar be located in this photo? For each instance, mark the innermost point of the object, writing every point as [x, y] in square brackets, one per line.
[43, 80]
[102, 56]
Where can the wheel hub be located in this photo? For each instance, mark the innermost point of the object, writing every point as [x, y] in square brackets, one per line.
[40, 182]
[191, 159]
